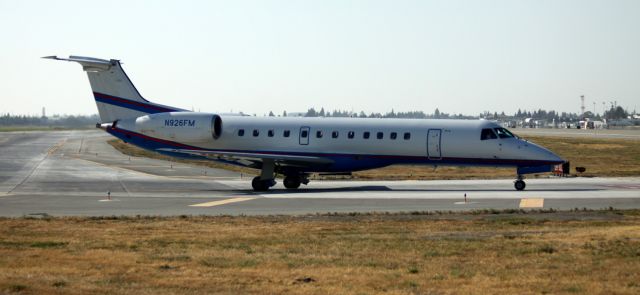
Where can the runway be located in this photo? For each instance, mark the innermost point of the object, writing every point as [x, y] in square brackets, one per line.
[631, 134]
[78, 173]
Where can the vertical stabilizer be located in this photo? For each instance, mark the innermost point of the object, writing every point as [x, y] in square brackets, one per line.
[116, 96]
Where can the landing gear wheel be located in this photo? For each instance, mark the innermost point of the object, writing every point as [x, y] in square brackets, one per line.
[260, 185]
[292, 182]
[519, 184]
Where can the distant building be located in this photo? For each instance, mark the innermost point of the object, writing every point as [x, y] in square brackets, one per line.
[592, 124]
[296, 114]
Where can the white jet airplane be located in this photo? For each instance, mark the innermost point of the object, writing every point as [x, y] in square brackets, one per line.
[296, 147]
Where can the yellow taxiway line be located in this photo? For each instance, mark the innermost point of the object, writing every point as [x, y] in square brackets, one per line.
[221, 202]
[531, 203]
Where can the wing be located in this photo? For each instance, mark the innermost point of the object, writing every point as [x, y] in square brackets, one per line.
[290, 160]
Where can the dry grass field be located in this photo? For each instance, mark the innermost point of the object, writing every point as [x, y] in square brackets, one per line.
[601, 157]
[534, 253]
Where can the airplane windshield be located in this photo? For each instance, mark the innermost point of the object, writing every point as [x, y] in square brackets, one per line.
[503, 133]
[487, 134]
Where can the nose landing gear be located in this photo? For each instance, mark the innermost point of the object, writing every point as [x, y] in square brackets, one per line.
[519, 183]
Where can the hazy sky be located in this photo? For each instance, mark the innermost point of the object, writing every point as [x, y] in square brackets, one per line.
[256, 56]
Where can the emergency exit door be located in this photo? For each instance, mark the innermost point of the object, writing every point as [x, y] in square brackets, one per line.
[433, 144]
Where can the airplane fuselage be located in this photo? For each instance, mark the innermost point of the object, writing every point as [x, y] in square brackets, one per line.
[351, 143]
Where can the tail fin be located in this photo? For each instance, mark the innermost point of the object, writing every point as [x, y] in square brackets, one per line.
[114, 93]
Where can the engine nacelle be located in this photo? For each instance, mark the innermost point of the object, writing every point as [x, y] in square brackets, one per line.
[176, 126]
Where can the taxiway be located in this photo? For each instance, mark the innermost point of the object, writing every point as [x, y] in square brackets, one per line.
[78, 173]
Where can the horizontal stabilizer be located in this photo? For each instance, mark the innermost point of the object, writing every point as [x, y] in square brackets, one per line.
[89, 64]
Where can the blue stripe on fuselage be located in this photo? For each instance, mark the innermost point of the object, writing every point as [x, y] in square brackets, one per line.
[131, 104]
[342, 162]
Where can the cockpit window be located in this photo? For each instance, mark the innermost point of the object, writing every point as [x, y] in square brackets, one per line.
[503, 133]
[487, 134]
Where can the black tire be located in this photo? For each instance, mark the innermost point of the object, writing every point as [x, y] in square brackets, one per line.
[292, 182]
[259, 185]
[519, 185]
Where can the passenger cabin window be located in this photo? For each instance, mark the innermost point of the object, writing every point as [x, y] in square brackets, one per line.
[393, 135]
[256, 132]
[270, 133]
[407, 136]
[379, 135]
[241, 132]
[286, 133]
[366, 135]
[487, 134]
[334, 134]
[304, 134]
[503, 133]
[351, 134]
[319, 134]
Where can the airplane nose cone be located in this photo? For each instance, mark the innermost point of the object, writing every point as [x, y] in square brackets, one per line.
[534, 152]
[546, 155]
[555, 158]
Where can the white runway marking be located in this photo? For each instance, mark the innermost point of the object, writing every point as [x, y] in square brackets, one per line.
[221, 202]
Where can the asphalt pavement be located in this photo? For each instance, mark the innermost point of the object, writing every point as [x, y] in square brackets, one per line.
[77, 173]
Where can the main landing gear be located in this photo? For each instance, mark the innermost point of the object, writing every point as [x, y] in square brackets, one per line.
[519, 183]
[261, 185]
[266, 179]
[294, 181]
[290, 182]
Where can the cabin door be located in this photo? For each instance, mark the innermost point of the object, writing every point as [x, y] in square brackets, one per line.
[433, 144]
[304, 136]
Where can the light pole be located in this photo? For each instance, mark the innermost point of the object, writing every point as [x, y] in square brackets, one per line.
[594, 118]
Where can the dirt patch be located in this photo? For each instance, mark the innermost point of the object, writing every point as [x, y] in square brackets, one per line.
[599, 146]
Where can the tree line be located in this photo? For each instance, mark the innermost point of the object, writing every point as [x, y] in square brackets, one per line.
[613, 114]
[56, 120]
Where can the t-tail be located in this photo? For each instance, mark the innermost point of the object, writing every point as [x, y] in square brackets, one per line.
[115, 95]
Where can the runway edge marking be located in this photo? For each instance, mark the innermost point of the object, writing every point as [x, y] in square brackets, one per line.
[532, 203]
[221, 202]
